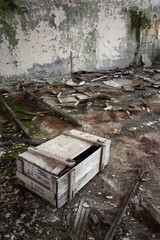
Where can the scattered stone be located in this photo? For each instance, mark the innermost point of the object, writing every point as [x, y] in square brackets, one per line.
[154, 236]
[7, 215]
[7, 236]
[22, 233]
[132, 129]
[12, 237]
[109, 197]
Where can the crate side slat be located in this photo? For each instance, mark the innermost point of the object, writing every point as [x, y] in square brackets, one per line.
[81, 170]
[84, 172]
[37, 188]
[19, 164]
[104, 155]
[38, 174]
[63, 198]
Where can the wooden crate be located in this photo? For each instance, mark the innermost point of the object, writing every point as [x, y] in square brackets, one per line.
[59, 168]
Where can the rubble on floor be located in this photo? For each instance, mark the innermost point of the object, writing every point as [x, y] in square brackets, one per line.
[122, 105]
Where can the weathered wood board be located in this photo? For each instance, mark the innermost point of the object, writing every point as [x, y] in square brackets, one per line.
[36, 188]
[84, 172]
[41, 174]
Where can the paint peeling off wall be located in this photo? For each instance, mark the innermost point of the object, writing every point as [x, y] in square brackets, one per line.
[36, 37]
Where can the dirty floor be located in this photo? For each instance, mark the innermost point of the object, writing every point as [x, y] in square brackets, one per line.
[122, 105]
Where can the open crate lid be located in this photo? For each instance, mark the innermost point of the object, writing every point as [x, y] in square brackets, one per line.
[54, 155]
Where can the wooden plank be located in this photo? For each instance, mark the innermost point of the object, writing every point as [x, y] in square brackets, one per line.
[87, 135]
[37, 174]
[78, 215]
[15, 118]
[83, 221]
[82, 169]
[65, 146]
[92, 139]
[71, 184]
[106, 152]
[82, 182]
[20, 139]
[54, 188]
[68, 162]
[58, 112]
[19, 164]
[151, 208]
[85, 171]
[43, 163]
[37, 188]
[80, 223]
[54, 184]
[58, 169]
[102, 158]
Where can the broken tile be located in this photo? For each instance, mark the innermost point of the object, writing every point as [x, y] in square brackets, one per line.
[81, 97]
[71, 83]
[137, 82]
[118, 83]
[67, 99]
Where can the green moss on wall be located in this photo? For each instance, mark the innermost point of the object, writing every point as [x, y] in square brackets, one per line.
[9, 10]
[9, 32]
[138, 21]
[81, 8]
[8, 23]
[76, 14]
[27, 23]
[90, 42]
[50, 17]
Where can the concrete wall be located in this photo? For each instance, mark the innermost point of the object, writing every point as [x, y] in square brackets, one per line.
[37, 36]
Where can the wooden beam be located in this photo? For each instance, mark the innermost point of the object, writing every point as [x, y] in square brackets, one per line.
[99, 143]
[20, 139]
[151, 208]
[15, 118]
[102, 158]
[71, 184]
[58, 112]
[43, 153]
[81, 221]
[58, 169]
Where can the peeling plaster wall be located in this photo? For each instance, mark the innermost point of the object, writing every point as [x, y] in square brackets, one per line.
[36, 37]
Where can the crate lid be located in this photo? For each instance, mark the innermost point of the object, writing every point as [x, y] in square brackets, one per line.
[59, 152]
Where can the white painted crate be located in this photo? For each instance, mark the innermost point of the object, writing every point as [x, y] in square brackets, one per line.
[59, 168]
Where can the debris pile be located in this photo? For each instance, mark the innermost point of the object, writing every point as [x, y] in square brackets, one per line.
[122, 105]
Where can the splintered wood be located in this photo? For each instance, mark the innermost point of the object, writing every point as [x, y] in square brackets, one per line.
[58, 168]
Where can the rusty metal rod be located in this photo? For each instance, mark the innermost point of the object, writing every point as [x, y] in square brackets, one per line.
[111, 233]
